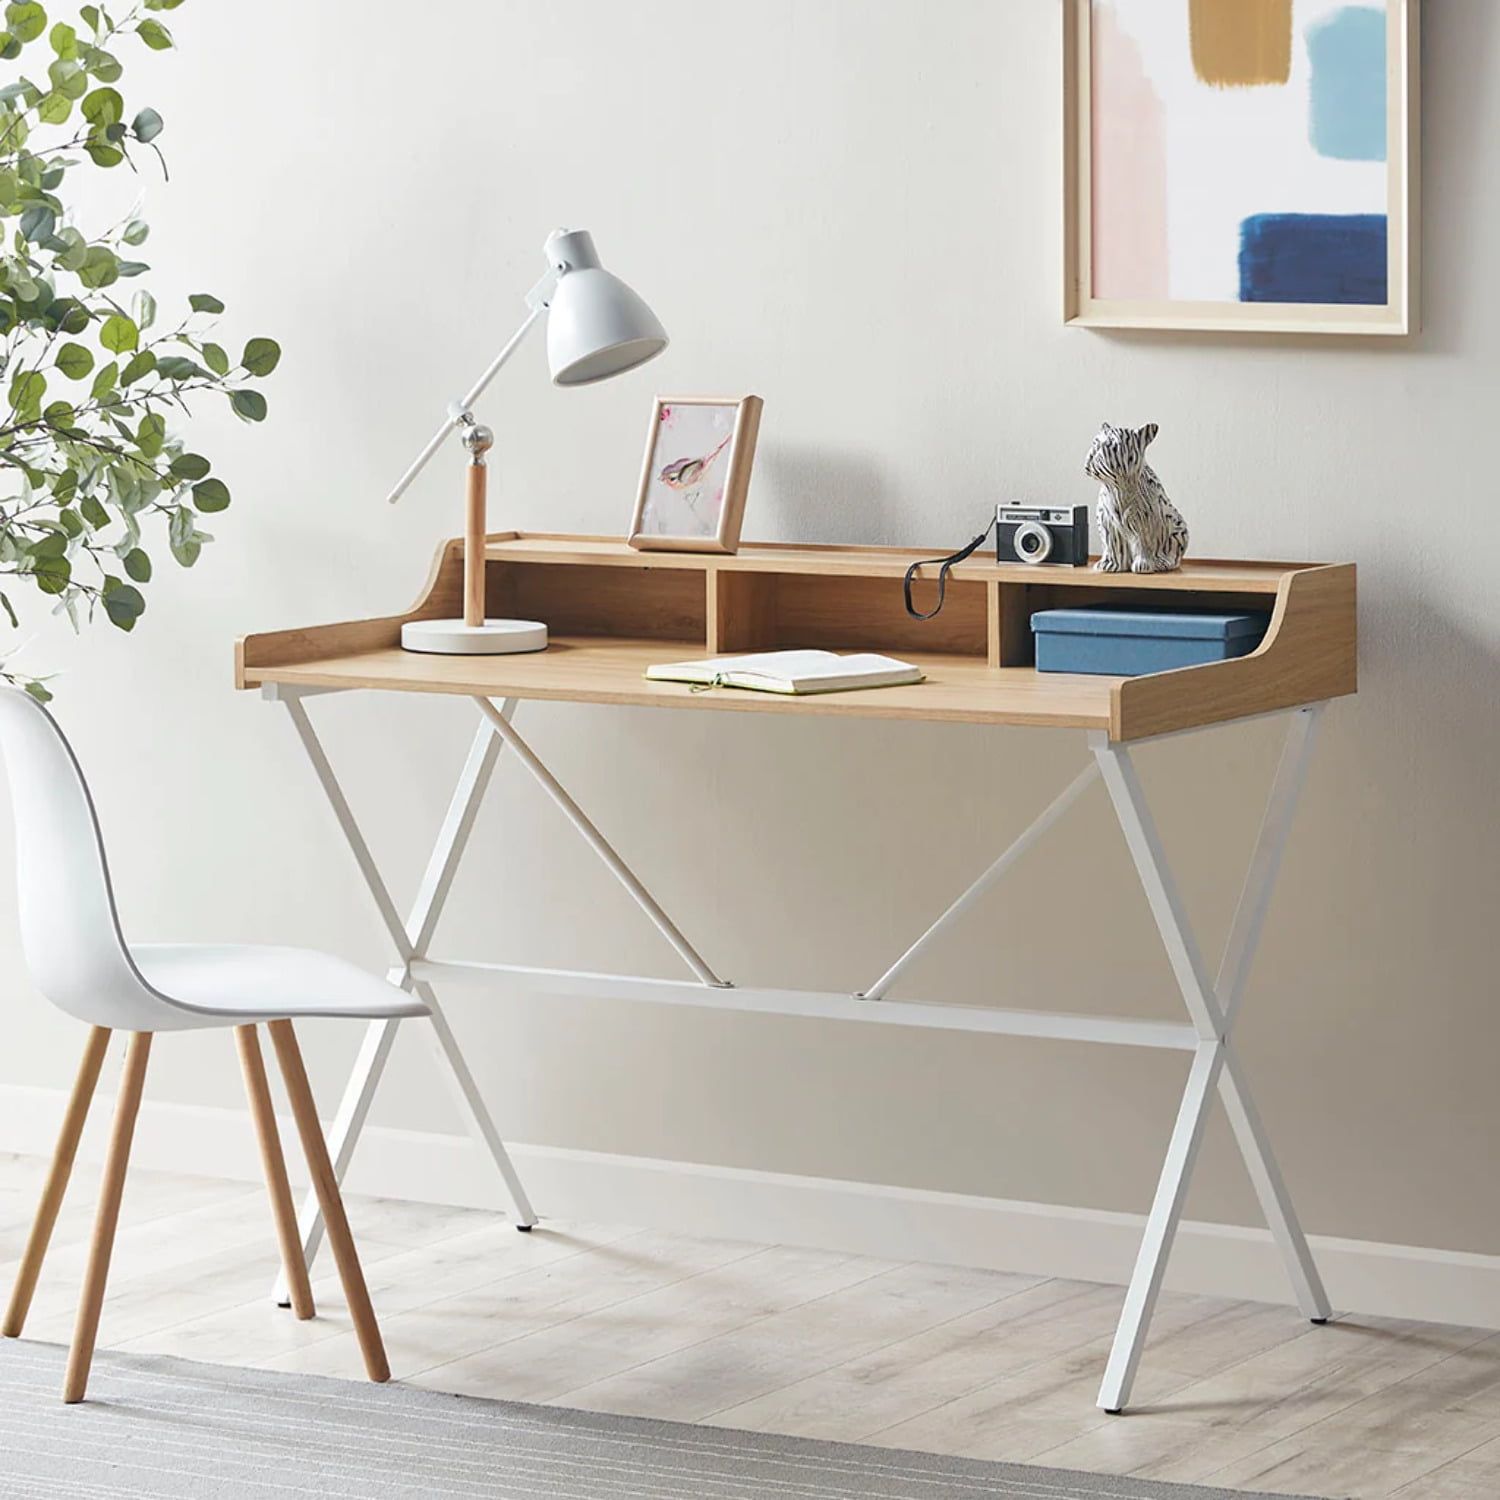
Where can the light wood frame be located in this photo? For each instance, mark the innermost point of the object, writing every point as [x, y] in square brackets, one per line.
[1400, 315]
[736, 486]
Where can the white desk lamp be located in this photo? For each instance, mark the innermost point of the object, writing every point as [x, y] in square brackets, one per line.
[597, 327]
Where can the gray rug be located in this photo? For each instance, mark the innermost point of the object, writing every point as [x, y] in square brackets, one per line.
[169, 1428]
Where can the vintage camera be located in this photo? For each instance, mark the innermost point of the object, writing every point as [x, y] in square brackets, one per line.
[1053, 534]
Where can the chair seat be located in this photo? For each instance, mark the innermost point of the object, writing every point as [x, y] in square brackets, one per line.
[221, 984]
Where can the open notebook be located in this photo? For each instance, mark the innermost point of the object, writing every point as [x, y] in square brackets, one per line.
[790, 672]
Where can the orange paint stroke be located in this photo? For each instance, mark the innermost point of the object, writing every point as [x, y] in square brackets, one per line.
[1241, 43]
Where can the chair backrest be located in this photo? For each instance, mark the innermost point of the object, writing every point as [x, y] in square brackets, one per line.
[70, 931]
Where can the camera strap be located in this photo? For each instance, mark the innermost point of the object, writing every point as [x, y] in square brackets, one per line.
[945, 563]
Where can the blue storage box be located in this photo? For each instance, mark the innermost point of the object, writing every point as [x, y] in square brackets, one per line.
[1117, 641]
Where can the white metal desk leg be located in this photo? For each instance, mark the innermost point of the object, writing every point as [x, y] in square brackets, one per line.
[1244, 937]
[410, 938]
[1161, 1228]
[472, 1106]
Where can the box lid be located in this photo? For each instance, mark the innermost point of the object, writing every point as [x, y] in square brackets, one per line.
[1178, 624]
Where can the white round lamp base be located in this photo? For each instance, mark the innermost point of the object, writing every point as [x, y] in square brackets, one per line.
[493, 638]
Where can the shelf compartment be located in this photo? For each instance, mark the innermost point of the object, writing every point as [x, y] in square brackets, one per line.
[644, 603]
[776, 611]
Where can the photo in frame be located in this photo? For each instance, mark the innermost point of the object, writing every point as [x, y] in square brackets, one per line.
[1242, 165]
[694, 482]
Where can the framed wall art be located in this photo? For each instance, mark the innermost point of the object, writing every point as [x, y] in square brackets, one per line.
[699, 452]
[1242, 164]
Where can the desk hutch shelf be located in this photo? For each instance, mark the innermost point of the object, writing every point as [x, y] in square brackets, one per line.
[613, 611]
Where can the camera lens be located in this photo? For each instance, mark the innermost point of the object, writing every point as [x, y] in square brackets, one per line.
[1033, 542]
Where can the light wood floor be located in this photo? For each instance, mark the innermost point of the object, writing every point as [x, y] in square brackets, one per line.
[977, 1363]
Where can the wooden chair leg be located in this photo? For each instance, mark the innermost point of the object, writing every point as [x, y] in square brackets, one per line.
[111, 1190]
[57, 1181]
[325, 1184]
[273, 1164]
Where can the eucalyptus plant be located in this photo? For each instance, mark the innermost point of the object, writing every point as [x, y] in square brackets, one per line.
[90, 375]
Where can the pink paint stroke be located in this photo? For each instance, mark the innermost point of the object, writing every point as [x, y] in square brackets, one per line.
[1129, 169]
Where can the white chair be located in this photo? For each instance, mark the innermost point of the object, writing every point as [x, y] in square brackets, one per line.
[79, 959]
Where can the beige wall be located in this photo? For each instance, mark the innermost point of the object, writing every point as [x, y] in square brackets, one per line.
[854, 209]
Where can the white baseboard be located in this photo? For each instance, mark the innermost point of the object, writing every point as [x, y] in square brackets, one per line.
[894, 1223]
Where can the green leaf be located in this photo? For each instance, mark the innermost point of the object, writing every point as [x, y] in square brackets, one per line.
[55, 108]
[104, 381]
[10, 46]
[38, 222]
[101, 64]
[147, 125]
[26, 21]
[61, 416]
[261, 356]
[180, 367]
[10, 610]
[103, 155]
[100, 268]
[205, 302]
[74, 361]
[36, 690]
[216, 359]
[90, 14]
[119, 334]
[137, 366]
[190, 466]
[64, 40]
[183, 537]
[123, 603]
[137, 565]
[211, 495]
[250, 405]
[154, 35]
[70, 521]
[151, 434]
[103, 107]
[64, 486]
[52, 574]
[144, 308]
[26, 392]
[93, 512]
[135, 232]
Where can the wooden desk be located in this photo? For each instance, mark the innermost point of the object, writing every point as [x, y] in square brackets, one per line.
[613, 611]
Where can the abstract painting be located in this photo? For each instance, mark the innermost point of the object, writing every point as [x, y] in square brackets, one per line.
[699, 451]
[1242, 164]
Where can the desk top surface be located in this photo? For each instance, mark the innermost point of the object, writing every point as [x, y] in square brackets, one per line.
[582, 669]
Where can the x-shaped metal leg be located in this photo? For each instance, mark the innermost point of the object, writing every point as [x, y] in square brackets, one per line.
[412, 937]
[1212, 1008]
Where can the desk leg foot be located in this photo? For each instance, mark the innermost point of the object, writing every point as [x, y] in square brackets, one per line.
[1318, 1322]
[524, 1228]
[1114, 1411]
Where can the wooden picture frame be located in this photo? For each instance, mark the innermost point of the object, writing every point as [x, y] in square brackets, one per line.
[691, 500]
[1397, 316]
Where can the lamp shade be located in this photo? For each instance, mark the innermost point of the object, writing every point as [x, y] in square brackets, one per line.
[596, 326]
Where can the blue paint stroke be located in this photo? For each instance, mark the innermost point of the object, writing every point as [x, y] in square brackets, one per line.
[1329, 258]
[1347, 98]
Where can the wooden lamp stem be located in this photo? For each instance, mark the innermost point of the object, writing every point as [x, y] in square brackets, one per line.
[478, 440]
[474, 533]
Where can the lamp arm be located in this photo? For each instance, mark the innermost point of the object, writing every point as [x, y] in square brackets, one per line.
[536, 308]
